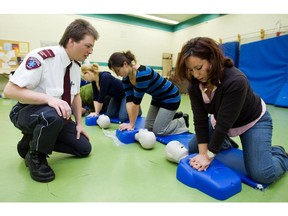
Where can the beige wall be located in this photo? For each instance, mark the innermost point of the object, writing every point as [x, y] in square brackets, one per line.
[146, 43]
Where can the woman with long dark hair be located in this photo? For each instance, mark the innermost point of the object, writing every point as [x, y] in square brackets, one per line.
[224, 105]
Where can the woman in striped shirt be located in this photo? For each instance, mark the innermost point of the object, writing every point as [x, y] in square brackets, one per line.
[138, 80]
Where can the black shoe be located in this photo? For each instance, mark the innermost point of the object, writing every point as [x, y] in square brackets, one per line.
[178, 115]
[39, 169]
[23, 145]
[186, 118]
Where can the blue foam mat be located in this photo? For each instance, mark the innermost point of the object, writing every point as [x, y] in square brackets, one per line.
[282, 98]
[127, 137]
[232, 158]
[183, 138]
[231, 49]
[268, 72]
[92, 121]
[218, 181]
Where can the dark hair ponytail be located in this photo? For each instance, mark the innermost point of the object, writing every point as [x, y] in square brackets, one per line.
[117, 59]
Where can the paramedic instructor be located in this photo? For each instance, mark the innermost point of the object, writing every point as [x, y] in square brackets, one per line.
[41, 113]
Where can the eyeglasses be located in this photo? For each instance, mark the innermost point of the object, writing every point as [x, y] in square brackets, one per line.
[89, 47]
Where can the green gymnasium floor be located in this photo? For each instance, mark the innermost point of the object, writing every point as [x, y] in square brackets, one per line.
[112, 173]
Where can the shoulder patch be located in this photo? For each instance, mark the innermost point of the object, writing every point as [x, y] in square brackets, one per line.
[32, 63]
[47, 53]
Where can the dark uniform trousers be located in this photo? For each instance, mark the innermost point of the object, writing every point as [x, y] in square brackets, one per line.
[49, 130]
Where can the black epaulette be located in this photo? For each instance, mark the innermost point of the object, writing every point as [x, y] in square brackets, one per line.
[46, 53]
[77, 63]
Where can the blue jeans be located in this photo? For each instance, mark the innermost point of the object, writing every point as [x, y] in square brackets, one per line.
[264, 163]
[117, 109]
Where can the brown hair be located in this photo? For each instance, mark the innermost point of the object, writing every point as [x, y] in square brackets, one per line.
[94, 68]
[77, 30]
[204, 48]
[117, 59]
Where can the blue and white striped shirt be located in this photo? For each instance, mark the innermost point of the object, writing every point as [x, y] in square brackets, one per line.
[164, 93]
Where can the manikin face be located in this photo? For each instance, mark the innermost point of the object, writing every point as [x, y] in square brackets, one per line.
[199, 68]
[80, 50]
[175, 151]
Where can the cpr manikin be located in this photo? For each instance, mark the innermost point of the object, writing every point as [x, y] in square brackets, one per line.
[175, 151]
[103, 121]
[146, 138]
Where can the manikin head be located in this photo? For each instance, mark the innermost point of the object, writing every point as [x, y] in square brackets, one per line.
[146, 138]
[175, 151]
[103, 121]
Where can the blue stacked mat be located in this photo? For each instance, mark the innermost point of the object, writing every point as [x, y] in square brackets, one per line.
[232, 158]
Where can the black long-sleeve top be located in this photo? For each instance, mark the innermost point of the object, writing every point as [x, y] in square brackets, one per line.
[234, 105]
[109, 86]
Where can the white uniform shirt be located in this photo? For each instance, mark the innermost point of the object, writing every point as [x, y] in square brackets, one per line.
[43, 70]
